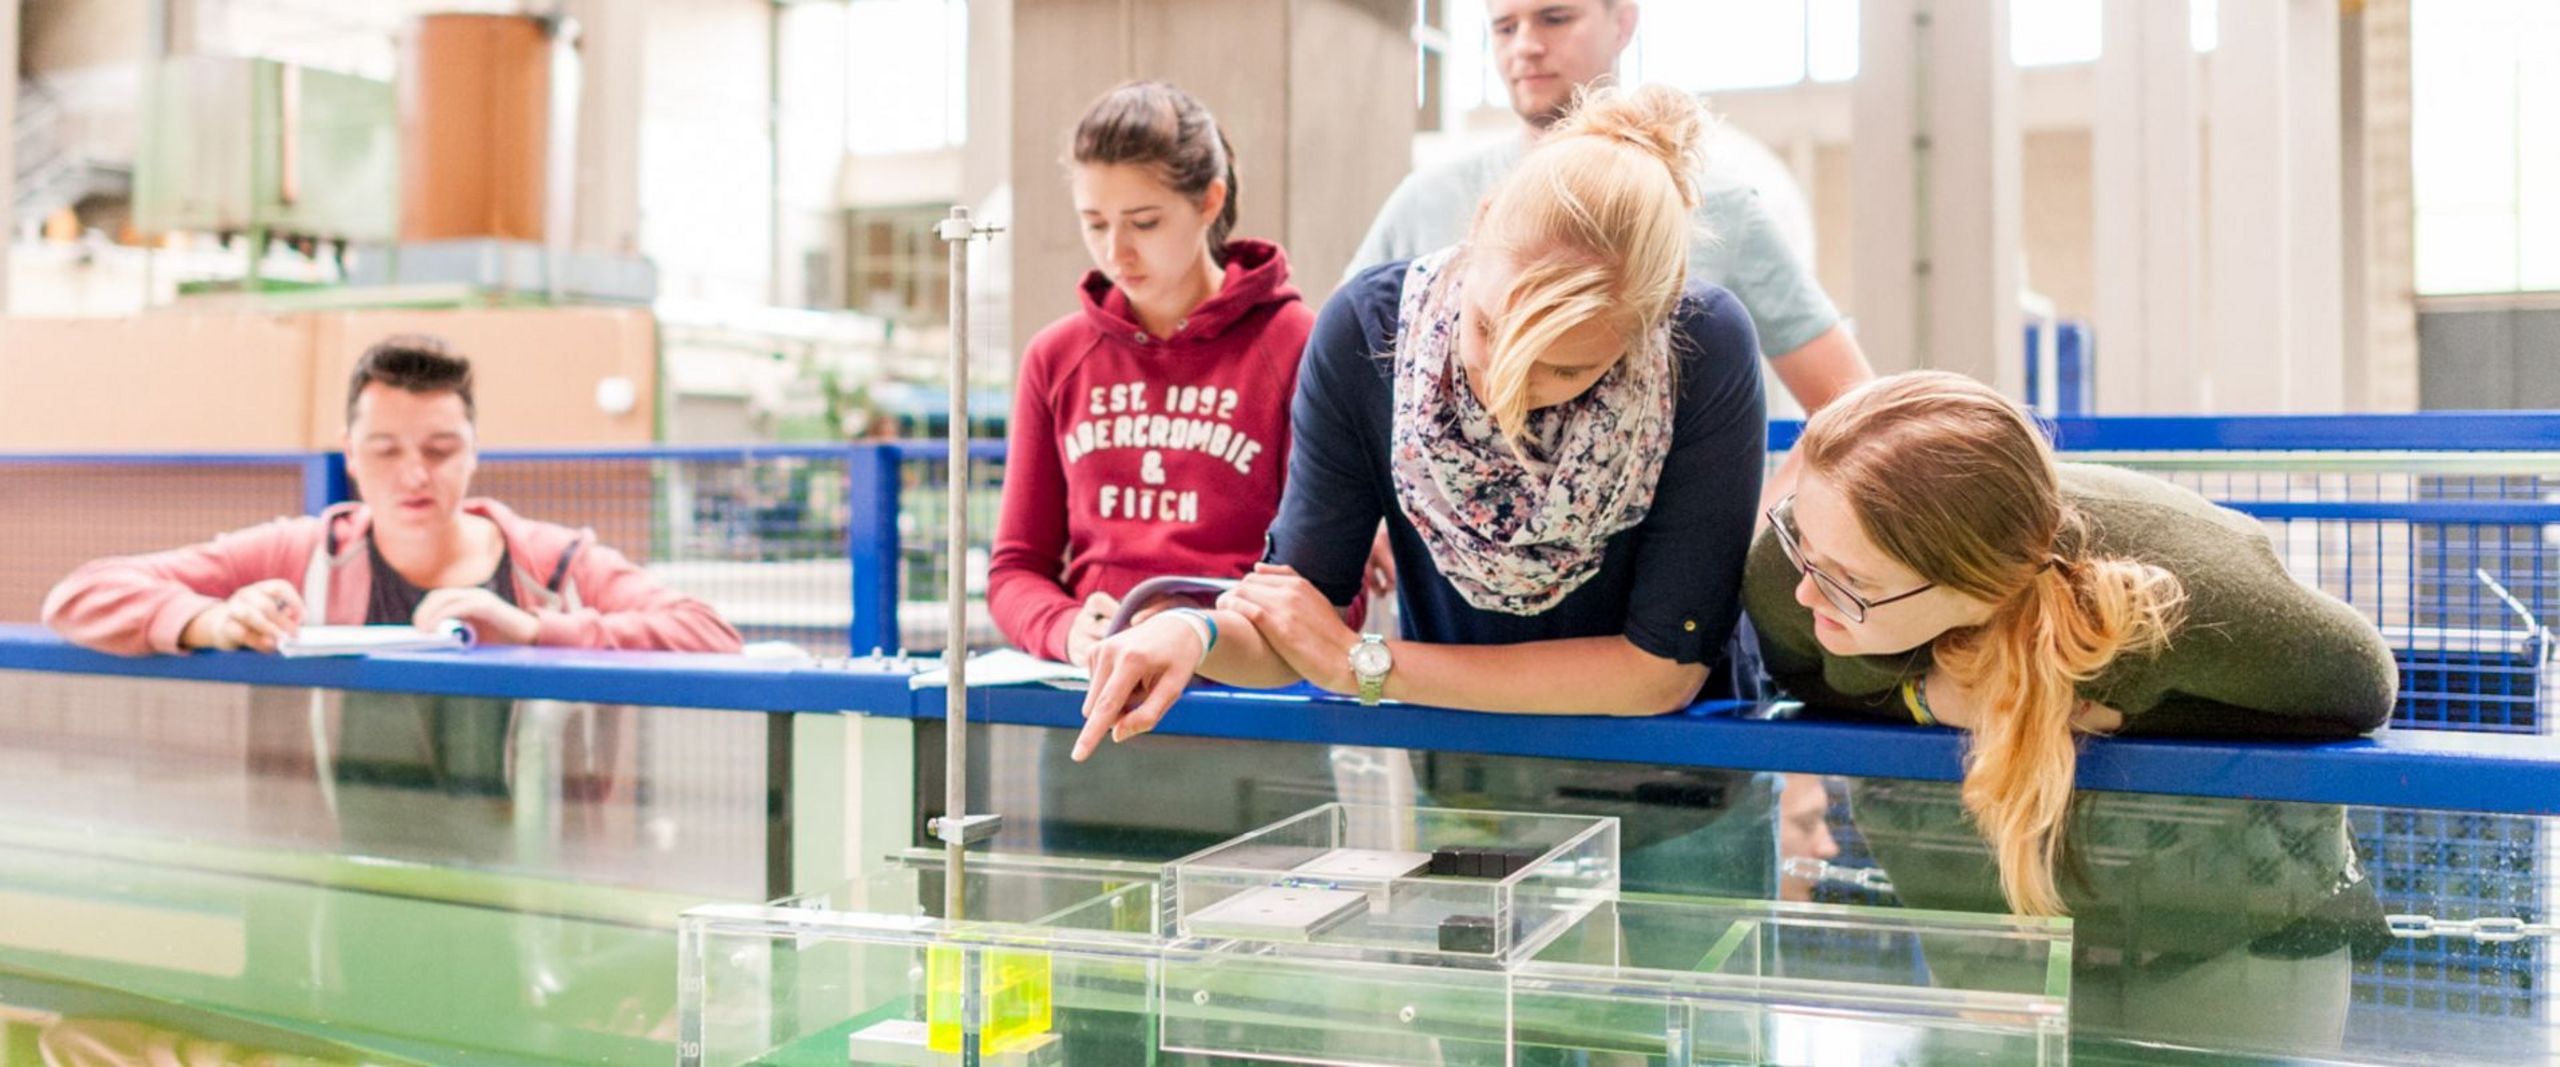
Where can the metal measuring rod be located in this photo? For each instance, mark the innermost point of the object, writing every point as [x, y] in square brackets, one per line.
[957, 829]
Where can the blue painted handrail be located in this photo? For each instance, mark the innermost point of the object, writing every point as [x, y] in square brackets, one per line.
[2406, 769]
[2434, 431]
[660, 679]
[2477, 512]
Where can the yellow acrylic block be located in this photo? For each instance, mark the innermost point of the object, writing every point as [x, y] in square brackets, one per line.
[1015, 987]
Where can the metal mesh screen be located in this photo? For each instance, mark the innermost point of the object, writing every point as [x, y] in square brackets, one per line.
[759, 537]
[60, 515]
[924, 563]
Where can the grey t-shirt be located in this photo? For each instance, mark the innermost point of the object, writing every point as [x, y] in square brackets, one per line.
[1743, 250]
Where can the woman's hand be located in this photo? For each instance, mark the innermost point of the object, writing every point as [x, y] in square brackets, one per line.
[1298, 623]
[1379, 577]
[1137, 675]
[1093, 622]
[256, 617]
[1954, 704]
[492, 621]
[2091, 717]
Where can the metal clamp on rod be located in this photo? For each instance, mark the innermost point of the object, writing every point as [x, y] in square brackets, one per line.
[965, 830]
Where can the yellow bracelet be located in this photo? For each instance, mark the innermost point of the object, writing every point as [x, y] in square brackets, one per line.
[1918, 701]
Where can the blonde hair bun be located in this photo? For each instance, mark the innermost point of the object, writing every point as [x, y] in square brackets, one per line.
[1663, 121]
[1600, 216]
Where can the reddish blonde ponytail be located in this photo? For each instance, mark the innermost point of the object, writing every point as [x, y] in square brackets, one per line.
[2067, 623]
[1956, 482]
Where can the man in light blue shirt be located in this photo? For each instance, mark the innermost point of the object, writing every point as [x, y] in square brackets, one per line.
[1548, 49]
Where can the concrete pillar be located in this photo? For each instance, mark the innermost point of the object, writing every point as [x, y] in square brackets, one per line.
[1884, 203]
[2149, 225]
[2276, 299]
[607, 216]
[8, 142]
[1315, 95]
[2251, 255]
[1937, 208]
[986, 161]
[2316, 210]
[2381, 320]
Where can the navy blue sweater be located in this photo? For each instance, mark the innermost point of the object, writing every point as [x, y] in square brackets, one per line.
[1671, 584]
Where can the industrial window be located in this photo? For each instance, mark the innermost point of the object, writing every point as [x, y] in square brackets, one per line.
[1711, 45]
[2487, 183]
[898, 270]
[906, 75]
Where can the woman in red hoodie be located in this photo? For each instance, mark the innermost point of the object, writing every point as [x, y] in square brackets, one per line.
[1151, 427]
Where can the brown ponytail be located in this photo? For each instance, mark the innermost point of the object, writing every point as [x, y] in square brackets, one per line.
[1954, 480]
[1153, 124]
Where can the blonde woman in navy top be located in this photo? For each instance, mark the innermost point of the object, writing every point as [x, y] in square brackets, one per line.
[1563, 435]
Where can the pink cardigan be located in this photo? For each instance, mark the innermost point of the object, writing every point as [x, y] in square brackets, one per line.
[137, 605]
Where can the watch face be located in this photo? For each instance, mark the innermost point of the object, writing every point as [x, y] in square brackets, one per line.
[1370, 658]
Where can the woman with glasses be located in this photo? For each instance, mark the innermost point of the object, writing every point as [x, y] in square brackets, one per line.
[1563, 434]
[1936, 564]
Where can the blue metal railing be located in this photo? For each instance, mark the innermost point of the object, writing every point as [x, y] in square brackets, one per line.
[2437, 770]
[822, 544]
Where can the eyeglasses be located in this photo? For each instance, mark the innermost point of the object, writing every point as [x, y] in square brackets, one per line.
[1782, 520]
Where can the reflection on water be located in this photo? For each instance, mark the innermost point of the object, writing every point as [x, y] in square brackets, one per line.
[67, 1023]
[2213, 923]
[123, 1043]
[328, 973]
[651, 798]
[2250, 927]
[1682, 830]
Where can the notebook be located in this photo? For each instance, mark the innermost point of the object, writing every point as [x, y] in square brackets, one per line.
[453, 636]
[1005, 666]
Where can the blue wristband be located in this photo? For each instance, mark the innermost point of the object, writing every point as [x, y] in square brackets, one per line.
[1209, 625]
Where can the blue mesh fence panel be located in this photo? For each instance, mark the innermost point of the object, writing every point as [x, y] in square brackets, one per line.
[759, 536]
[2453, 866]
[59, 515]
[2464, 606]
[924, 563]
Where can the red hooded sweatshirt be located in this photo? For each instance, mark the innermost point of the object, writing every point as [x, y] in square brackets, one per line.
[1134, 456]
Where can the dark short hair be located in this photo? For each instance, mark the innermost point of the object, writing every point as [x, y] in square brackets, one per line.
[417, 363]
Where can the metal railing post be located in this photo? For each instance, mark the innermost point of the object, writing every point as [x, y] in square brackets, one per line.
[871, 546]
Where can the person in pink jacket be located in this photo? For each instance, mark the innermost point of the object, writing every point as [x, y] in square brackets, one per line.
[415, 549]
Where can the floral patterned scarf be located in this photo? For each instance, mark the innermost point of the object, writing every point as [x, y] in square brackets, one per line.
[1518, 530]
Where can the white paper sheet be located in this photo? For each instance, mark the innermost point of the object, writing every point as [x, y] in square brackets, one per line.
[360, 640]
[1005, 666]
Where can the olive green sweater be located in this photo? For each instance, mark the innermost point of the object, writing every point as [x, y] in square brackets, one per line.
[2257, 654]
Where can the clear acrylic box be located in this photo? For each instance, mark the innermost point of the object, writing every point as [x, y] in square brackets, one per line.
[871, 974]
[1065, 962]
[1669, 980]
[1703, 981]
[1363, 878]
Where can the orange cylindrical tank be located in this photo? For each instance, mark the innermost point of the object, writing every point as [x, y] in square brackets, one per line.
[475, 96]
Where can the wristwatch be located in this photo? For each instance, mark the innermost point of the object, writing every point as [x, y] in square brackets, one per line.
[1370, 662]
